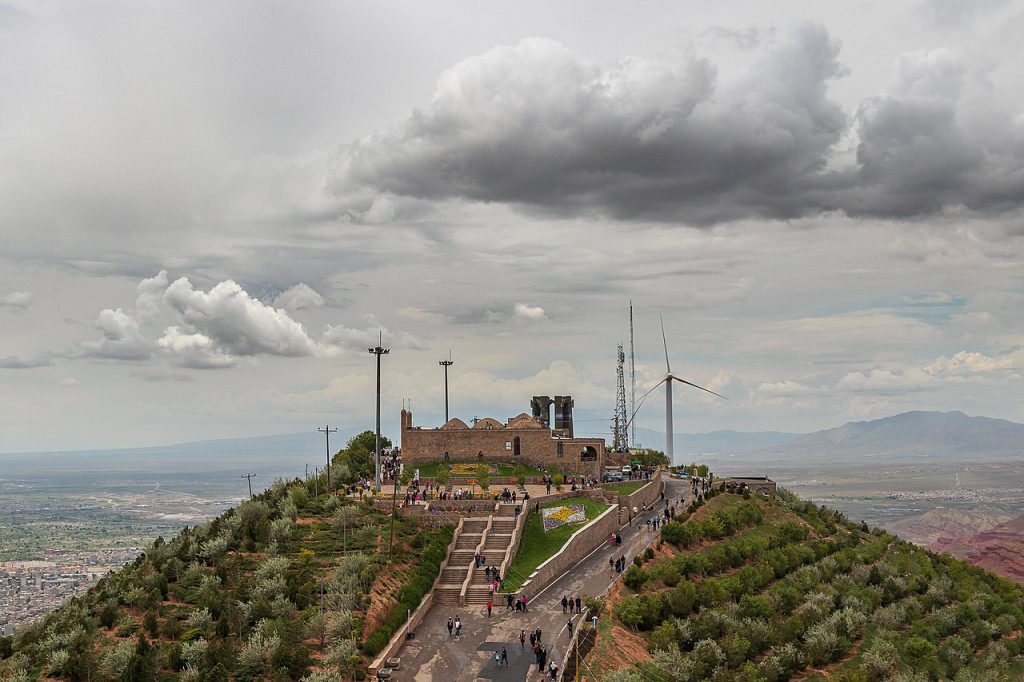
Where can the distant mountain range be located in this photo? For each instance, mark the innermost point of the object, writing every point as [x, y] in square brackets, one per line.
[907, 436]
[910, 436]
[281, 455]
[716, 441]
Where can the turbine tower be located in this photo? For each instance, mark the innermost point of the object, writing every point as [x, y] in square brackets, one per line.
[667, 381]
[669, 378]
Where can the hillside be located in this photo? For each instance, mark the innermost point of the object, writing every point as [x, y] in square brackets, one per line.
[279, 587]
[937, 523]
[999, 549]
[910, 436]
[747, 588]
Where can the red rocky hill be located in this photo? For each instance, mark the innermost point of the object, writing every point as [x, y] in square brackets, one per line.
[999, 549]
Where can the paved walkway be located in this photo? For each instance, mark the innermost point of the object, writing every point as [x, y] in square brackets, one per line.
[433, 655]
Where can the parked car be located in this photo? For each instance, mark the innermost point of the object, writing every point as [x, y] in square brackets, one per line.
[612, 476]
[682, 473]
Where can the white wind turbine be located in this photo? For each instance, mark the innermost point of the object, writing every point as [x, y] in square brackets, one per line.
[667, 381]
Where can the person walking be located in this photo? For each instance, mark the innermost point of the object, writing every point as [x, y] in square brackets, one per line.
[533, 640]
[522, 639]
[451, 626]
[568, 625]
[579, 604]
[458, 627]
[565, 603]
[508, 601]
[504, 657]
[490, 604]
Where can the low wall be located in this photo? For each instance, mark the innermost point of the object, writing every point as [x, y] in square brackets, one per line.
[583, 542]
[398, 639]
[513, 547]
[648, 495]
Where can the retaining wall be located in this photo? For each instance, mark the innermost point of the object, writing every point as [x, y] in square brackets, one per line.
[397, 640]
[583, 542]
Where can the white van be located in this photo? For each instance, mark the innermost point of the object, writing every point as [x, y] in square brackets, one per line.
[627, 470]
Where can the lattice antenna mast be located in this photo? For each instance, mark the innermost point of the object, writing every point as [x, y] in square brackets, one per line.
[620, 437]
[632, 374]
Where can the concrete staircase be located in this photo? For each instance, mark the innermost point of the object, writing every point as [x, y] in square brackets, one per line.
[490, 536]
[460, 559]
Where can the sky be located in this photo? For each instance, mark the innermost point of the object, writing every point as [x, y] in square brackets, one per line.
[211, 210]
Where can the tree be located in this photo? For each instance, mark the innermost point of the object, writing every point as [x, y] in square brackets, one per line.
[444, 473]
[483, 476]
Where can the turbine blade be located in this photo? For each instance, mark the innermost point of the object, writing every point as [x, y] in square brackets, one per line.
[690, 383]
[665, 343]
[640, 402]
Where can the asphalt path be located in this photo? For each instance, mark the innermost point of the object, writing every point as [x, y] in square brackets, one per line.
[434, 655]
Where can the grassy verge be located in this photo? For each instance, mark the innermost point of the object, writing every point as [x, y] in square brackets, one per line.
[627, 488]
[429, 469]
[536, 547]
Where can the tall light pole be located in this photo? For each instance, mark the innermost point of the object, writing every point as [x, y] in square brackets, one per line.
[446, 364]
[378, 351]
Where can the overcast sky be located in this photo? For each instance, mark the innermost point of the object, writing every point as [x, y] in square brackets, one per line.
[208, 210]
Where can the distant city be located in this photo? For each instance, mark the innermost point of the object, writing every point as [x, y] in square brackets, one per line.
[31, 589]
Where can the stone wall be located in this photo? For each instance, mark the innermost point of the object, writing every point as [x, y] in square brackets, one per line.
[757, 484]
[497, 442]
[582, 543]
[648, 495]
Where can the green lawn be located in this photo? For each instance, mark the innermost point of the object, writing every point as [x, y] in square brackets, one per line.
[537, 546]
[626, 488]
[429, 469]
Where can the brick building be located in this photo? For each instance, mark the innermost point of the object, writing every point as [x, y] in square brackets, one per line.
[523, 438]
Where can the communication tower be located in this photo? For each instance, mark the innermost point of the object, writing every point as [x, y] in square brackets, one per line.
[620, 437]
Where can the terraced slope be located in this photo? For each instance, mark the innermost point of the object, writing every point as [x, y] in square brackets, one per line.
[282, 587]
[747, 588]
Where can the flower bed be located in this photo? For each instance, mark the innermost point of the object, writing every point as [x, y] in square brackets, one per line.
[555, 517]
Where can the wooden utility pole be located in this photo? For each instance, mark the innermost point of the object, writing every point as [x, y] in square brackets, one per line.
[248, 478]
[327, 431]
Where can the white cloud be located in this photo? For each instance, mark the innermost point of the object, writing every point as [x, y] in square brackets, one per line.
[149, 296]
[561, 377]
[887, 382]
[235, 322]
[193, 350]
[69, 382]
[349, 338]
[972, 362]
[120, 340]
[529, 312]
[299, 297]
[790, 389]
[16, 299]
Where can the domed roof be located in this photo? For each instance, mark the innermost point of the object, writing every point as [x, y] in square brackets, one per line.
[524, 421]
[488, 423]
[453, 424]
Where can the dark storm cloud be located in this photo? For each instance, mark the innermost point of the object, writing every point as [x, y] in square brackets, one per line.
[674, 139]
[15, 362]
